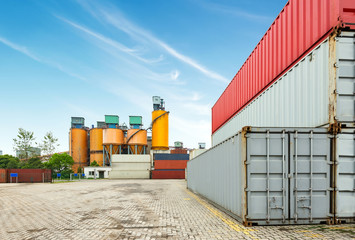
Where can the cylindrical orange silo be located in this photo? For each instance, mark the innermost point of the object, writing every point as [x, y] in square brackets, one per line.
[160, 130]
[113, 138]
[96, 147]
[138, 141]
[78, 148]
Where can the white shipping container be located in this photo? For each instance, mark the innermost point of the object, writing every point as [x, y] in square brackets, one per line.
[319, 90]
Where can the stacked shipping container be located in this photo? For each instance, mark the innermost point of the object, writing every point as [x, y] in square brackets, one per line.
[169, 166]
[319, 90]
[301, 74]
[300, 27]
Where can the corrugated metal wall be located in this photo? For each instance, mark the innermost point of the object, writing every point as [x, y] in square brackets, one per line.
[300, 98]
[3, 175]
[30, 175]
[299, 26]
[218, 175]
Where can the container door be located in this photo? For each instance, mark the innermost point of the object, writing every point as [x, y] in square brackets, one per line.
[345, 179]
[267, 167]
[310, 164]
[346, 79]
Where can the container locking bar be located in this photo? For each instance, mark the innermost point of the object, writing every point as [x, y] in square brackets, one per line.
[311, 176]
[283, 177]
[296, 171]
[268, 174]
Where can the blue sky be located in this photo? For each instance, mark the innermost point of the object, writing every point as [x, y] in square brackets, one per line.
[90, 58]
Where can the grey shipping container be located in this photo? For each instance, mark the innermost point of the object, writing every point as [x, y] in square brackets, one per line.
[318, 91]
[272, 176]
[344, 180]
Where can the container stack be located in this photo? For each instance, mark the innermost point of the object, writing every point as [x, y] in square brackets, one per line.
[169, 166]
[299, 81]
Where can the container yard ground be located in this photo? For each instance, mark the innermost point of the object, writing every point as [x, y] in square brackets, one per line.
[131, 209]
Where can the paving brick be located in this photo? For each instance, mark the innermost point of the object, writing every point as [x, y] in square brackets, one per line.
[131, 209]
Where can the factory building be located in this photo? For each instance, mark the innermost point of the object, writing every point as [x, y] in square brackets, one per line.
[97, 172]
[128, 151]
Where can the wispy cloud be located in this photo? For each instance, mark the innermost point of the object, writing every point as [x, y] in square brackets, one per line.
[20, 49]
[115, 18]
[25, 51]
[117, 45]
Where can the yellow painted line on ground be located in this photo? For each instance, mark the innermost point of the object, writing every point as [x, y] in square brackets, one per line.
[220, 215]
[314, 235]
[341, 228]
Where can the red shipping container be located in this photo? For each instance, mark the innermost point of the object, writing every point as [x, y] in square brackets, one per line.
[168, 174]
[178, 151]
[301, 26]
[170, 164]
[30, 175]
[3, 175]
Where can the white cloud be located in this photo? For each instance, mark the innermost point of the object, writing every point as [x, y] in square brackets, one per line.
[30, 54]
[116, 19]
[175, 74]
[113, 43]
[20, 49]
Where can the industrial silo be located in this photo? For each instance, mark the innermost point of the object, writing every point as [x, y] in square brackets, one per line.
[113, 139]
[78, 144]
[96, 147]
[137, 141]
[160, 125]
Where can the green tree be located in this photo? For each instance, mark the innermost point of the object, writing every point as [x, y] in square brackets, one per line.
[94, 164]
[6, 159]
[23, 143]
[12, 164]
[32, 163]
[48, 145]
[60, 163]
